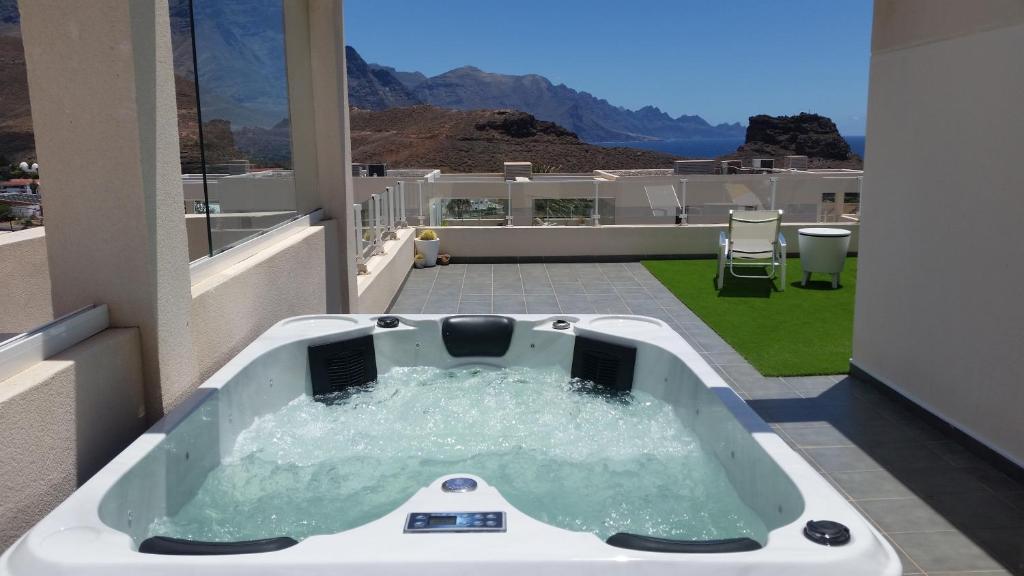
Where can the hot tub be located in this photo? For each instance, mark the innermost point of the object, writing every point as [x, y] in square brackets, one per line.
[433, 445]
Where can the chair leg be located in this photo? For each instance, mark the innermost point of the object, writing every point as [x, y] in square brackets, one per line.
[783, 275]
[835, 280]
[807, 276]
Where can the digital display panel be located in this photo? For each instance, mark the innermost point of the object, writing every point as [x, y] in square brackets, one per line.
[442, 521]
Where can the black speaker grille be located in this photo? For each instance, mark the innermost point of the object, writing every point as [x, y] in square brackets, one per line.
[609, 366]
[598, 368]
[338, 367]
[345, 369]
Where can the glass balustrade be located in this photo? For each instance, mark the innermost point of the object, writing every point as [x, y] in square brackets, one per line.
[233, 120]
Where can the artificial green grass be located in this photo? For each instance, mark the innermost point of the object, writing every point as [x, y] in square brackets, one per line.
[799, 332]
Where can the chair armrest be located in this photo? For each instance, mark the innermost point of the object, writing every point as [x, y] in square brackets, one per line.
[723, 242]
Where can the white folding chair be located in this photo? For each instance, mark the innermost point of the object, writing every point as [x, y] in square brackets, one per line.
[754, 240]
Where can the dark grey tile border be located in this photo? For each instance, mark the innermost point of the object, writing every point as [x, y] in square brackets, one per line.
[977, 448]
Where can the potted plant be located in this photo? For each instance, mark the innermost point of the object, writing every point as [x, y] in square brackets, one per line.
[428, 244]
[418, 260]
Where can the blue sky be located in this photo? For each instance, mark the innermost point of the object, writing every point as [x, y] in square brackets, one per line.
[722, 59]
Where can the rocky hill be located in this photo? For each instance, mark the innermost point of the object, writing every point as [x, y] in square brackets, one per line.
[374, 88]
[218, 137]
[810, 135]
[241, 59]
[16, 140]
[481, 140]
[410, 79]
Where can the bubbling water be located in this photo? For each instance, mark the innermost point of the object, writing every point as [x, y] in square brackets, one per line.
[555, 449]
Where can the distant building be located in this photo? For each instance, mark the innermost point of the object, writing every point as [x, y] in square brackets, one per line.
[22, 205]
[17, 186]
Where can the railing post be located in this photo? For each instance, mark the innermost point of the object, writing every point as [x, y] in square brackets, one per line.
[403, 221]
[860, 196]
[375, 216]
[774, 180]
[682, 201]
[389, 210]
[357, 215]
[508, 207]
[596, 215]
[419, 201]
[393, 208]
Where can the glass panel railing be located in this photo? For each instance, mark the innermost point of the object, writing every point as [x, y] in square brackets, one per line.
[474, 211]
[233, 126]
[563, 211]
[810, 198]
[564, 202]
[569, 200]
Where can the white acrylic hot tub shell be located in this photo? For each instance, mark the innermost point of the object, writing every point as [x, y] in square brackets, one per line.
[149, 476]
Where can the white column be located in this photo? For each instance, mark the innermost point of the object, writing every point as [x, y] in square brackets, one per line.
[321, 151]
[101, 82]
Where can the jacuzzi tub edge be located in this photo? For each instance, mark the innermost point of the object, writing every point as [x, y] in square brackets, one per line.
[89, 532]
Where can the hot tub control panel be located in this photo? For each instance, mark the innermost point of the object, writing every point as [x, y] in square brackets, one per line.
[455, 522]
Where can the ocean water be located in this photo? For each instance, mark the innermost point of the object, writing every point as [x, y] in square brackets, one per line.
[554, 449]
[712, 147]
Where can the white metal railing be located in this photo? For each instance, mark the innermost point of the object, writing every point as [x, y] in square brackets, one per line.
[377, 221]
[363, 232]
[376, 216]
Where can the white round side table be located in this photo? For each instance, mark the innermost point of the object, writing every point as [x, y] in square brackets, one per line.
[823, 250]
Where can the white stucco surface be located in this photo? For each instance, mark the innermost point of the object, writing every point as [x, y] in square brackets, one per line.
[101, 82]
[64, 419]
[231, 308]
[385, 274]
[938, 315]
[24, 281]
[554, 241]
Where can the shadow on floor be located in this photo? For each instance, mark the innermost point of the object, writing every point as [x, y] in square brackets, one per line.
[744, 287]
[816, 285]
[944, 507]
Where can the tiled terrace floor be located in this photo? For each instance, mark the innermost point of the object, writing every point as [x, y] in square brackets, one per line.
[946, 511]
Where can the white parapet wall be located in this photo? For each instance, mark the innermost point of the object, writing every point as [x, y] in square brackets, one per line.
[61, 421]
[385, 274]
[232, 307]
[556, 242]
[24, 281]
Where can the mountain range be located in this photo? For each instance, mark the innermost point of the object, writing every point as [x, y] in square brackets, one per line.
[243, 81]
[470, 88]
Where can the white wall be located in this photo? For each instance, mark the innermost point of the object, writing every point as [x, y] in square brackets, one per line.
[588, 241]
[62, 420]
[25, 300]
[385, 274]
[232, 308]
[939, 315]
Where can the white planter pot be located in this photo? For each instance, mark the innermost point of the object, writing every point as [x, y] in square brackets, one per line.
[429, 249]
